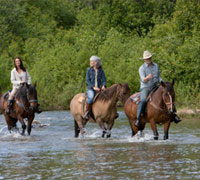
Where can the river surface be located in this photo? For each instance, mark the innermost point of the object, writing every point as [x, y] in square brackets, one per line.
[52, 152]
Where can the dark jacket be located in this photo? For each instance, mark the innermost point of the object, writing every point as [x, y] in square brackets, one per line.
[90, 78]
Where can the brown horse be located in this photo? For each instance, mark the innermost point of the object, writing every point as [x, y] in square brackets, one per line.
[24, 106]
[103, 109]
[159, 109]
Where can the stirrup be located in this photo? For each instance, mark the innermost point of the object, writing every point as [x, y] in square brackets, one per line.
[85, 116]
[137, 122]
[7, 110]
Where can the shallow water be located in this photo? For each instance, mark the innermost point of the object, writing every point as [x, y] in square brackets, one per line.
[52, 152]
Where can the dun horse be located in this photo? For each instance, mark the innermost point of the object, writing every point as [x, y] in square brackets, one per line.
[159, 109]
[24, 106]
[103, 109]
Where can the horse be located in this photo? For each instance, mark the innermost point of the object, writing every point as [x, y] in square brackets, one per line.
[24, 106]
[159, 110]
[104, 108]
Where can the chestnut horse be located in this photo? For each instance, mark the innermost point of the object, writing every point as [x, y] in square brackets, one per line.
[24, 106]
[159, 109]
[104, 108]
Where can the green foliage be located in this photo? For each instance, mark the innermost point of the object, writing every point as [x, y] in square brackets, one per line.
[55, 39]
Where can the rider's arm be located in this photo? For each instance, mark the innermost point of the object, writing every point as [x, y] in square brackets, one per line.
[13, 79]
[89, 84]
[28, 78]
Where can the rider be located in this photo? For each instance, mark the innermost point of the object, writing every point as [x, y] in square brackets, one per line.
[19, 76]
[96, 81]
[149, 79]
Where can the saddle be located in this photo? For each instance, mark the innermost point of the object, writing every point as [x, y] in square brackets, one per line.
[136, 96]
[83, 100]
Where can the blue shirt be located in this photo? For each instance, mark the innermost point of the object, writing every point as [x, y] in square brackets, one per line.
[90, 78]
[145, 70]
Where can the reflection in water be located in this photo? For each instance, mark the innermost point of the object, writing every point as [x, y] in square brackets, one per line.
[51, 152]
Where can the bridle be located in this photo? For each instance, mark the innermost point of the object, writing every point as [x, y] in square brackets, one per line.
[171, 103]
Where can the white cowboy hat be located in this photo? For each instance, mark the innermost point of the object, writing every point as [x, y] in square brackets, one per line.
[146, 55]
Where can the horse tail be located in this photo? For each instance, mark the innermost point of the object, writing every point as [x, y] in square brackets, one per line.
[76, 129]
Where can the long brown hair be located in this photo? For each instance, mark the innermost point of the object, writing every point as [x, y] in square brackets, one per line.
[21, 64]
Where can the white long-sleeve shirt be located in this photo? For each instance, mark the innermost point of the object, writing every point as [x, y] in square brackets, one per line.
[16, 78]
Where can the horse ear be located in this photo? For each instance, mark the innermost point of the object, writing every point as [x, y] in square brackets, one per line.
[162, 84]
[35, 84]
[172, 82]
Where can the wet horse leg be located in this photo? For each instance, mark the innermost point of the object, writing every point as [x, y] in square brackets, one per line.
[8, 121]
[102, 126]
[154, 129]
[81, 124]
[166, 129]
[133, 127]
[109, 127]
[30, 120]
[23, 124]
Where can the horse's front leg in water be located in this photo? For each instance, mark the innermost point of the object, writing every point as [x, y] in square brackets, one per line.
[109, 127]
[166, 129]
[154, 128]
[30, 120]
[102, 126]
[23, 124]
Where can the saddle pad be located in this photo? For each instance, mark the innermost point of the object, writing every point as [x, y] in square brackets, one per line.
[135, 97]
[82, 98]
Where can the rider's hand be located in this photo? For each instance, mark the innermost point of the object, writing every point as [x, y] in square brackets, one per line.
[103, 88]
[149, 76]
[96, 89]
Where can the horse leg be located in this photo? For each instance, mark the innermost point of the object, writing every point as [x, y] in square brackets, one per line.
[23, 124]
[141, 128]
[76, 129]
[81, 124]
[30, 120]
[133, 127]
[154, 129]
[8, 122]
[102, 126]
[166, 129]
[109, 127]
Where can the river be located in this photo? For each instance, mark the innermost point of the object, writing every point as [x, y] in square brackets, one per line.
[52, 152]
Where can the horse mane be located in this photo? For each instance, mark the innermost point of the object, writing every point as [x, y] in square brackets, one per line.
[107, 94]
[21, 93]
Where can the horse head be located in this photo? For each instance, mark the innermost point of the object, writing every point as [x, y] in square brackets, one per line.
[168, 95]
[124, 92]
[31, 96]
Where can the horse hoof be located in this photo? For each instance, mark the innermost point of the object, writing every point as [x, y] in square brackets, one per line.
[165, 138]
[108, 136]
[156, 138]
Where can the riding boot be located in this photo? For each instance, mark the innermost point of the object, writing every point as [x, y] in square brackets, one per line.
[137, 122]
[9, 107]
[87, 111]
[175, 118]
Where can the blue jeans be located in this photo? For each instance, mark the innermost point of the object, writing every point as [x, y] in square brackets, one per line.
[91, 93]
[141, 106]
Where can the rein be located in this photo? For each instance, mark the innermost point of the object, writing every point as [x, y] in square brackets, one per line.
[21, 103]
[166, 103]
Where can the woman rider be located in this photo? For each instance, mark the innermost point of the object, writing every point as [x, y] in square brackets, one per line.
[19, 76]
[96, 81]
